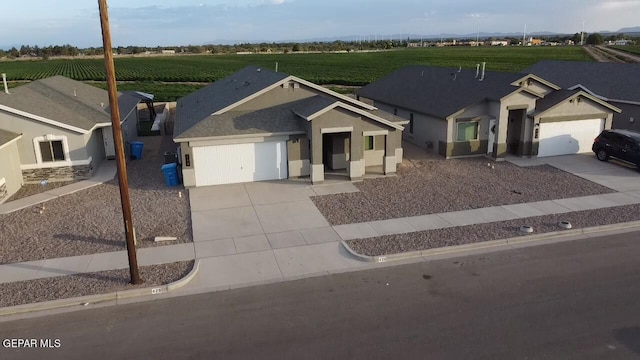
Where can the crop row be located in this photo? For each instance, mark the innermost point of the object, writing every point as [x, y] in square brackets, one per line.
[327, 68]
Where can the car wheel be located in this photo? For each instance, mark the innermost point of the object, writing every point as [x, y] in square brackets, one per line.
[602, 155]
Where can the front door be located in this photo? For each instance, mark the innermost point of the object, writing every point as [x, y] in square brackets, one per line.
[492, 135]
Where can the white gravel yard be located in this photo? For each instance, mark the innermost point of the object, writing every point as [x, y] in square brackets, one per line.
[64, 287]
[436, 185]
[423, 240]
[90, 221]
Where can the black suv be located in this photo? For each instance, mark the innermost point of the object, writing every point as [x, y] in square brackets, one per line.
[619, 144]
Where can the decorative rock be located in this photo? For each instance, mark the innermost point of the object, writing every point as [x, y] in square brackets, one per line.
[526, 229]
[565, 225]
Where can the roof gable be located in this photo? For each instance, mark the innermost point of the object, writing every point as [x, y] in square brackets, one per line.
[318, 105]
[538, 79]
[556, 98]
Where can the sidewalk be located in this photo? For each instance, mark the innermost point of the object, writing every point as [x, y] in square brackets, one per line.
[224, 266]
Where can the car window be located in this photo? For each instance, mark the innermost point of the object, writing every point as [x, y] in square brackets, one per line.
[615, 138]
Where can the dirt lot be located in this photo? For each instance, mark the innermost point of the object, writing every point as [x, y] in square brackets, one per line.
[90, 221]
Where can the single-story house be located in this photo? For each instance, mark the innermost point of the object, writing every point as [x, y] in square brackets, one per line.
[258, 124]
[615, 83]
[458, 112]
[58, 129]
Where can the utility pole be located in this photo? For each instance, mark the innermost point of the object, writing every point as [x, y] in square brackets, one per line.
[117, 138]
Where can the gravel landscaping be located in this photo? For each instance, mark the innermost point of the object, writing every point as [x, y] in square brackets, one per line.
[64, 287]
[33, 189]
[90, 221]
[437, 185]
[423, 240]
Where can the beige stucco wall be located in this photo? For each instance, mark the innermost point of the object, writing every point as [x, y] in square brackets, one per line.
[426, 128]
[95, 146]
[10, 168]
[277, 96]
[31, 128]
[577, 110]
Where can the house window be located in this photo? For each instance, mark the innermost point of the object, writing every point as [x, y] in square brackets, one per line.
[411, 123]
[51, 150]
[368, 142]
[467, 131]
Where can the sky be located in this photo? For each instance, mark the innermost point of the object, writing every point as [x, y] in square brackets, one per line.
[184, 22]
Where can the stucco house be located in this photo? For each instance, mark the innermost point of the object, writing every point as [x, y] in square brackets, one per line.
[458, 112]
[615, 83]
[57, 129]
[258, 124]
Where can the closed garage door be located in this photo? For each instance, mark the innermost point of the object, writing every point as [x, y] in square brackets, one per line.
[237, 163]
[568, 137]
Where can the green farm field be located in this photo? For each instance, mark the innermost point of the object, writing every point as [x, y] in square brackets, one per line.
[634, 49]
[174, 76]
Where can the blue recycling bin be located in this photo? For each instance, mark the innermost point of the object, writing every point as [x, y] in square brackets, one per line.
[170, 172]
[136, 150]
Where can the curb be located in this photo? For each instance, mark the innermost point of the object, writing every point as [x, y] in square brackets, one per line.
[83, 301]
[492, 244]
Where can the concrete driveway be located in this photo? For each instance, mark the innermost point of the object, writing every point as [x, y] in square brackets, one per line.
[251, 217]
[613, 174]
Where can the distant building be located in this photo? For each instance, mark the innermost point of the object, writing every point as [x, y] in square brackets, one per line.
[534, 42]
[621, 42]
[168, 52]
[499, 43]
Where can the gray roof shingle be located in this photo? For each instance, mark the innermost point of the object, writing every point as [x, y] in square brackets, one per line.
[67, 101]
[438, 91]
[6, 136]
[271, 120]
[200, 104]
[610, 80]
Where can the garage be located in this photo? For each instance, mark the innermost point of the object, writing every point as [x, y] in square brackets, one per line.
[238, 163]
[568, 137]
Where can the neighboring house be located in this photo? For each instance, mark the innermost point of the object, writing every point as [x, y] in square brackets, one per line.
[58, 129]
[614, 83]
[459, 113]
[261, 125]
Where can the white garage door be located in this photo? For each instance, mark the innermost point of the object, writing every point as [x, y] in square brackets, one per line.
[568, 137]
[236, 163]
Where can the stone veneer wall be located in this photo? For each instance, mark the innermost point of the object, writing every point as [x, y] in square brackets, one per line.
[3, 192]
[58, 173]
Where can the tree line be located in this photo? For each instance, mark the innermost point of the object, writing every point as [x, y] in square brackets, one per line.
[26, 51]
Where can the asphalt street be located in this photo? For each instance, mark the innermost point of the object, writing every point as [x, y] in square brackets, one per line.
[572, 300]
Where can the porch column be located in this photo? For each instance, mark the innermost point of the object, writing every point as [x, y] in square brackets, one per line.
[389, 161]
[317, 167]
[356, 159]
